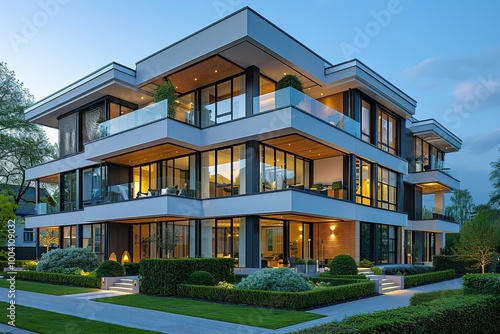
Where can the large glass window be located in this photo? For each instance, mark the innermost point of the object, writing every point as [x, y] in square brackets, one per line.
[90, 123]
[68, 135]
[186, 108]
[223, 102]
[280, 170]
[363, 182]
[387, 189]
[69, 236]
[94, 184]
[69, 191]
[427, 156]
[271, 243]
[366, 133]
[387, 132]
[223, 172]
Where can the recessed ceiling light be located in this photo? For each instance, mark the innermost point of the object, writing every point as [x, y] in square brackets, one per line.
[215, 71]
[284, 73]
[195, 79]
[142, 97]
[176, 151]
[321, 94]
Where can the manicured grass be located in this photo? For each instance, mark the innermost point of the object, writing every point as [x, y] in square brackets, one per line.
[238, 314]
[51, 289]
[40, 321]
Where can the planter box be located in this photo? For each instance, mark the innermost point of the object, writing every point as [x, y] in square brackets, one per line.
[312, 268]
[301, 268]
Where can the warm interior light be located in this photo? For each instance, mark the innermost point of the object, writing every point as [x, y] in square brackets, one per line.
[112, 256]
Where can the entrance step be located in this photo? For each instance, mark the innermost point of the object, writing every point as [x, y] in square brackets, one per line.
[388, 286]
[125, 285]
[365, 271]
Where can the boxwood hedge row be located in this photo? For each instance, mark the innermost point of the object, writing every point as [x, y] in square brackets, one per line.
[432, 277]
[481, 283]
[161, 276]
[55, 278]
[461, 265]
[460, 314]
[286, 300]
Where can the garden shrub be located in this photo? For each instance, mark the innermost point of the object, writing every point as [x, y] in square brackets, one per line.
[66, 271]
[481, 284]
[287, 300]
[366, 263]
[432, 277]
[270, 279]
[407, 270]
[461, 265]
[68, 258]
[239, 277]
[201, 277]
[161, 276]
[376, 270]
[29, 265]
[87, 281]
[132, 268]
[471, 314]
[343, 264]
[425, 297]
[110, 268]
[334, 281]
[328, 274]
[5, 264]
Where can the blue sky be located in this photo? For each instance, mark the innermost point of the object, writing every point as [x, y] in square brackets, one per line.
[444, 54]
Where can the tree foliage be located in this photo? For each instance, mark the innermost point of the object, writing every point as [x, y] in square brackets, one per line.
[480, 237]
[495, 178]
[7, 209]
[462, 207]
[22, 143]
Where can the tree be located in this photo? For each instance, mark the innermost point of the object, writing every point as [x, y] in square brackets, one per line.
[462, 207]
[22, 143]
[495, 178]
[168, 240]
[48, 237]
[7, 212]
[480, 237]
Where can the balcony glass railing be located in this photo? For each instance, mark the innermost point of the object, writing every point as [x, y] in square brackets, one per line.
[290, 97]
[439, 165]
[134, 119]
[433, 214]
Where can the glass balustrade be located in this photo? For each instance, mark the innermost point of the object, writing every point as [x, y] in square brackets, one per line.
[289, 97]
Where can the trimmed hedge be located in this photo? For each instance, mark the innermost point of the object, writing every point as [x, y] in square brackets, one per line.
[132, 268]
[425, 297]
[286, 300]
[5, 264]
[62, 279]
[461, 314]
[161, 276]
[461, 265]
[343, 264]
[110, 268]
[201, 277]
[407, 270]
[334, 281]
[329, 275]
[481, 284]
[436, 276]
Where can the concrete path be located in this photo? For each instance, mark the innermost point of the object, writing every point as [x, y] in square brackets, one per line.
[80, 306]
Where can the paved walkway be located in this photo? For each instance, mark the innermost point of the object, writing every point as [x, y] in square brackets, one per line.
[80, 306]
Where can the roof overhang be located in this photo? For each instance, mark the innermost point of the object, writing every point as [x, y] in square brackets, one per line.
[114, 79]
[436, 134]
[353, 74]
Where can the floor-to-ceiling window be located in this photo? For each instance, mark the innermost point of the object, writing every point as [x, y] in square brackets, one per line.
[387, 189]
[280, 170]
[379, 242]
[367, 241]
[363, 182]
[387, 132]
[223, 172]
[223, 102]
[366, 118]
[224, 238]
[69, 191]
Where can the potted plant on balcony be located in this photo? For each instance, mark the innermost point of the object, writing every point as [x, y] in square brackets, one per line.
[167, 92]
[312, 266]
[422, 161]
[337, 187]
[301, 265]
[288, 80]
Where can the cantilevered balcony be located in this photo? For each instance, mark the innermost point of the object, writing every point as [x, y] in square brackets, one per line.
[290, 97]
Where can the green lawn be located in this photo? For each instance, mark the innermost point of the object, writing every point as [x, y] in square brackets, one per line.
[238, 314]
[51, 289]
[40, 321]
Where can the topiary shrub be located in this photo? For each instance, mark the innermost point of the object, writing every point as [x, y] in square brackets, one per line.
[271, 279]
[343, 264]
[376, 270]
[110, 268]
[201, 277]
[290, 80]
[366, 263]
[68, 258]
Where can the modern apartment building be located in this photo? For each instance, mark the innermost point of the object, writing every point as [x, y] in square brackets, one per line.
[241, 169]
